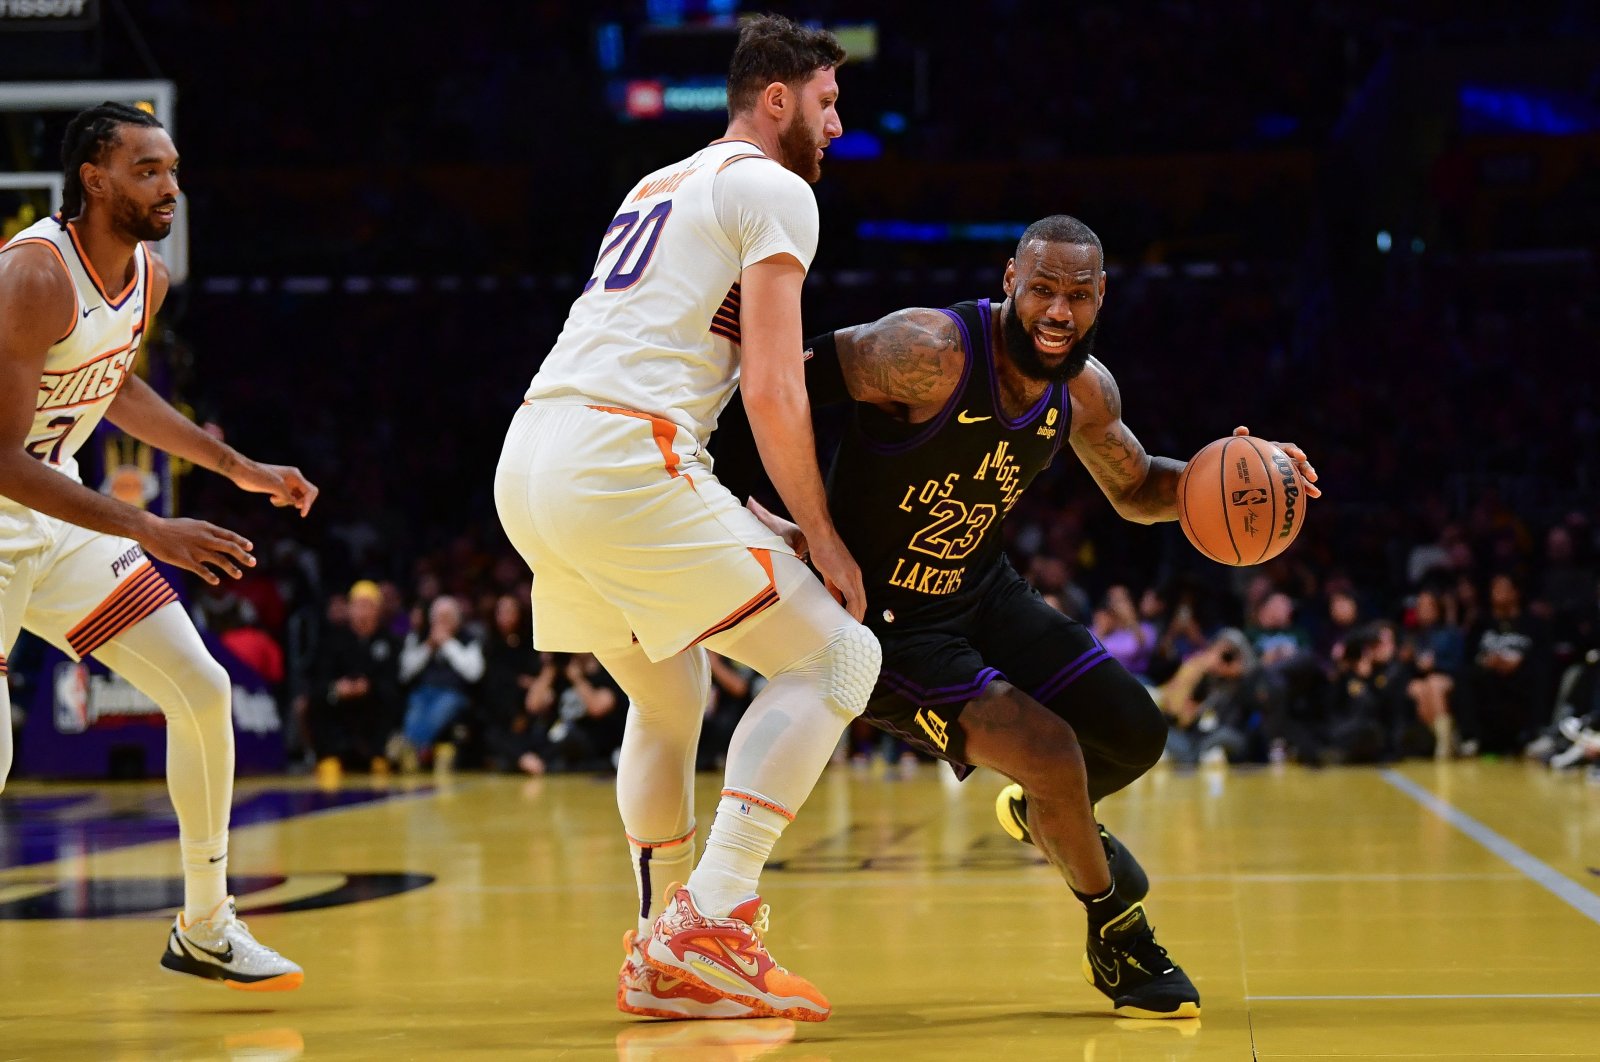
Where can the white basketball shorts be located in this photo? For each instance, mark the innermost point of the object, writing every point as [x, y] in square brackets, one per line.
[629, 535]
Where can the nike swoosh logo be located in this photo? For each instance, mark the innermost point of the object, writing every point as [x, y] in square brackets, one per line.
[219, 858]
[1111, 974]
[966, 418]
[220, 956]
[90, 310]
[748, 967]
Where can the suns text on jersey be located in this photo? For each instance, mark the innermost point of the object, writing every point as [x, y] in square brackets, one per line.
[89, 382]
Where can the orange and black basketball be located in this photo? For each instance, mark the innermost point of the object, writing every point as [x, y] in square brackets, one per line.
[1241, 501]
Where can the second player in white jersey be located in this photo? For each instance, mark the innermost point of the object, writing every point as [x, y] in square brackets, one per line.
[657, 326]
[76, 295]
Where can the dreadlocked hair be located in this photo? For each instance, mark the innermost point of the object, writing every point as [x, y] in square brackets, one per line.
[89, 133]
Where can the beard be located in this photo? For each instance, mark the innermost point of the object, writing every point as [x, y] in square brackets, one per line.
[799, 150]
[1025, 355]
[138, 222]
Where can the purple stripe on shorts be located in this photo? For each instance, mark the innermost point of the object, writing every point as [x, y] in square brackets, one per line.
[1075, 661]
[1071, 674]
[943, 694]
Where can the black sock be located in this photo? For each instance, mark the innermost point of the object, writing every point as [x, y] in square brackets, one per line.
[1102, 907]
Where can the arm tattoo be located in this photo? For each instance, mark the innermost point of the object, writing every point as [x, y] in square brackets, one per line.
[903, 359]
[1113, 396]
[1119, 455]
[1141, 487]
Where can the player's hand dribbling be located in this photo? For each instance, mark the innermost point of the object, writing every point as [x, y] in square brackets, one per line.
[202, 548]
[1302, 463]
[840, 573]
[284, 485]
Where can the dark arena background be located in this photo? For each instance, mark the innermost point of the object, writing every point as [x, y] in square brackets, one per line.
[1370, 229]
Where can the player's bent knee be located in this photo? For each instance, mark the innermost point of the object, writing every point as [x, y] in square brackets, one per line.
[207, 690]
[853, 659]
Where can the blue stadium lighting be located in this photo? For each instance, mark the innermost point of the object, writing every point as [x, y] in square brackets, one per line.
[897, 231]
[991, 232]
[1276, 126]
[1524, 112]
[608, 46]
[665, 12]
[1417, 246]
[856, 144]
[904, 231]
[892, 122]
[1385, 241]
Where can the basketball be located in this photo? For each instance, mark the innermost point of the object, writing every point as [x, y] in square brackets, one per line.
[1241, 501]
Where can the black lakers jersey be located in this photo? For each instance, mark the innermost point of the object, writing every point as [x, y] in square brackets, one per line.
[920, 505]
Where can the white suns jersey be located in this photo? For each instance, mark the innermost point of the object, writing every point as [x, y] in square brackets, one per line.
[84, 369]
[656, 329]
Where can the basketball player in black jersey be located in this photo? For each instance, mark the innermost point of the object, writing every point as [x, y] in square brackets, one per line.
[956, 410]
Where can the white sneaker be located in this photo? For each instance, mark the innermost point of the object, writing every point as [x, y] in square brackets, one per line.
[1575, 730]
[219, 947]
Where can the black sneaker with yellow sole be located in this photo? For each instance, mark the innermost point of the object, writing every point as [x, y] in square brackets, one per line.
[1133, 884]
[1124, 961]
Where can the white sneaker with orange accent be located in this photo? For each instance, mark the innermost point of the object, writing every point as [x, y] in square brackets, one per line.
[643, 989]
[726, 955]
[219, 947]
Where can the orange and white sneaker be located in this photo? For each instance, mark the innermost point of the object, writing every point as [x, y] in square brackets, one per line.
[643, 989]
[726, 955]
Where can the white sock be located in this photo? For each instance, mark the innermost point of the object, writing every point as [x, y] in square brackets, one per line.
[655, 867]
[746, 828]
[205, 876]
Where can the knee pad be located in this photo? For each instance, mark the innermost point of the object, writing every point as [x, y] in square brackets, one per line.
[852, 659]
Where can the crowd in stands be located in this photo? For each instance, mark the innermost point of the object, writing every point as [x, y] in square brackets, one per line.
[1298, 668]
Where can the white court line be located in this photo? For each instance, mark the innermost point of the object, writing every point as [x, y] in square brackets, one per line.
[1586, 902]
[1464, 995]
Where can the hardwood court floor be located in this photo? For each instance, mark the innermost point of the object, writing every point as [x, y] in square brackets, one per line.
[1427, 912]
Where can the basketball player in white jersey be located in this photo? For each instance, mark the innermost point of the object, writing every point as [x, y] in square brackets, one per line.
[76, 295]
[641, 557]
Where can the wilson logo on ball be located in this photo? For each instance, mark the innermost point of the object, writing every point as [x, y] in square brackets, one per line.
[1291, 492]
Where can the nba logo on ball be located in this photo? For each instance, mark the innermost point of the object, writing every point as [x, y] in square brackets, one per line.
[1239, 501]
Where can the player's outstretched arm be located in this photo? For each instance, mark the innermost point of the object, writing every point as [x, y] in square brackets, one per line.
[148, 417]
[910, 359]
[1142, 488]
[36, 309]
[772, 378]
